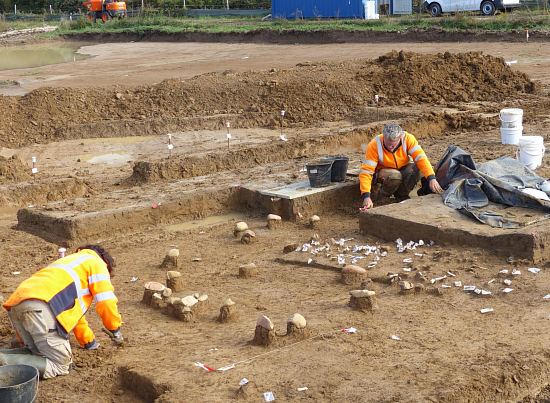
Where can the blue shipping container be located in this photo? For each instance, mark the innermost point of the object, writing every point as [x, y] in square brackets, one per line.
[291, 9]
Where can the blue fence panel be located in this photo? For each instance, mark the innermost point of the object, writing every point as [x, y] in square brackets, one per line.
[317, 9]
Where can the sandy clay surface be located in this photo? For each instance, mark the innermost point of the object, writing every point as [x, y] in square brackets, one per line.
[104, 147]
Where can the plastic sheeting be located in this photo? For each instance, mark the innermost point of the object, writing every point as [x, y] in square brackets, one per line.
[470, 188]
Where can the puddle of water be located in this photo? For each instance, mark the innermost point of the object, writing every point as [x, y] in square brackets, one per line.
[205, 222]
[110, 159]
[20, 57]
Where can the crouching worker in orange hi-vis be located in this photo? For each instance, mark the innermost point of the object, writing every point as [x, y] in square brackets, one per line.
[392, 165]
[46, 307]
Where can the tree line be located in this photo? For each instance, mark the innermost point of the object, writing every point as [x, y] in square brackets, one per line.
[66, 6]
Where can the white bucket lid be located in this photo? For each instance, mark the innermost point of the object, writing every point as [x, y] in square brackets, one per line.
[531, 140]
[511, 111]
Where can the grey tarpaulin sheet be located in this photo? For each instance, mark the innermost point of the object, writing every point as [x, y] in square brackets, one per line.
[470, 188]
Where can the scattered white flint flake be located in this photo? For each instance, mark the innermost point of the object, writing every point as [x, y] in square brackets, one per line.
[309, 261]
[507, 290]
[15, 273]
[306, 247]
[350, 330]
[486, 310]
[445, 286]
[269, 396]
[507, 282]
[302, 389]
[503, 271]
[243, 381]
[547, 296]
[383, 254]
[341, 259]
[458, 283]
[451, 274]
[433, 280]
[407, 260]
[419, 254]
[395, 337]
[282, 137]
[478, 291]
[533, 270]
[485, 292]
[407, 269]
[392, 275]
[134, 279]
[469, 288]
[491, 281]
[371, 265]
[516, 272]
[409, 246]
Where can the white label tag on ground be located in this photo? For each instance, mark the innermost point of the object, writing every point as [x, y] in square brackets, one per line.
[486, 310]
[34, 170]
[243, 381]
[228, 136]
[313, 171]
[269, 396]
[170, 146]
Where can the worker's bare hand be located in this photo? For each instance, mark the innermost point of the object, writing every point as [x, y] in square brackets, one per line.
[435, 187]
[367, 204]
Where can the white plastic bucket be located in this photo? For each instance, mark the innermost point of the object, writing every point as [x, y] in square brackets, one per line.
[510, 135]
[531, 151]
[511, 117]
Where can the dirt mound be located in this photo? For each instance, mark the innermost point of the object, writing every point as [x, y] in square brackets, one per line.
[13, 170]
[309, 92]
[412, 78]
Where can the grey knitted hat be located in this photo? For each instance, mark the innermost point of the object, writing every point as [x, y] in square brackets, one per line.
[392, 131]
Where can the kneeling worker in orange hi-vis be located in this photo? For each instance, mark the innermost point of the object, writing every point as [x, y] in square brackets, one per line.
[50, 304]
[392, 165]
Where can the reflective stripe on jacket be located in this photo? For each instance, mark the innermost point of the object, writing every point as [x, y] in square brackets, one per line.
[68, 286]
[377, 157]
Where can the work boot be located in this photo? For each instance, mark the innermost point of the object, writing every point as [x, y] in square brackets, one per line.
[27, 359]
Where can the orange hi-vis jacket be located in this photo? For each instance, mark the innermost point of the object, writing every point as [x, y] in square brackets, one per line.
[377, 157]
[68, 286]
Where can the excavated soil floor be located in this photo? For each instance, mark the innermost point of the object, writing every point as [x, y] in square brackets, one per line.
[106, 148]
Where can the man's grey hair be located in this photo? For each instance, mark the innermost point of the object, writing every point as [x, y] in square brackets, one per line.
[392, 131]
